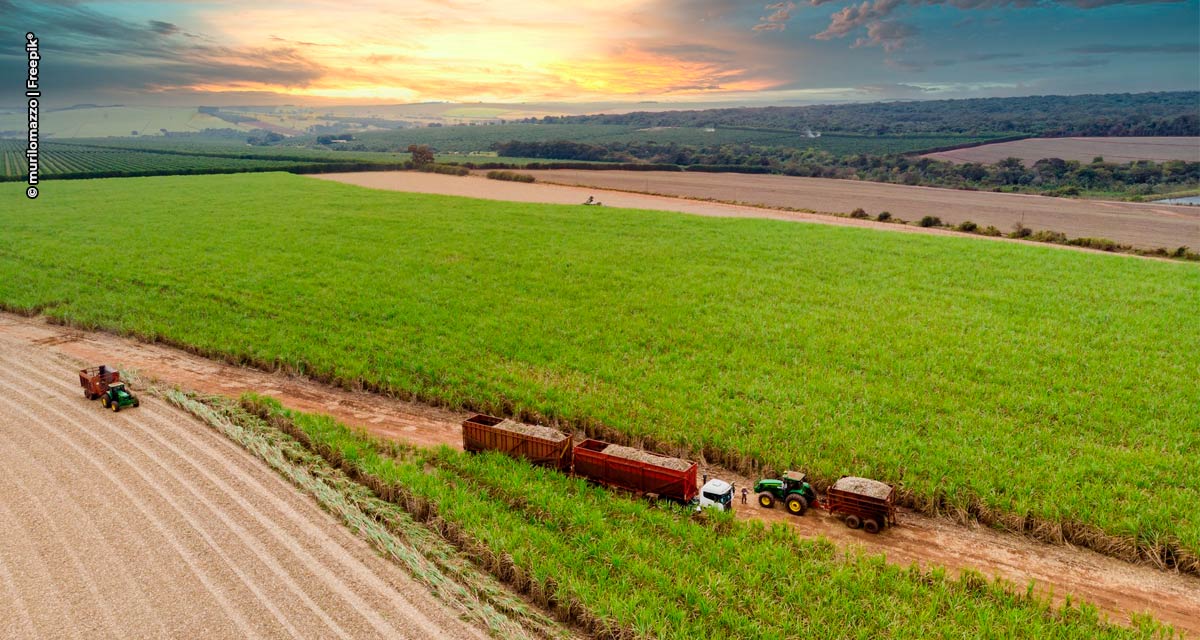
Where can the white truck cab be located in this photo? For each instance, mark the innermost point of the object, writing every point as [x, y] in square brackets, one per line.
[717, 494]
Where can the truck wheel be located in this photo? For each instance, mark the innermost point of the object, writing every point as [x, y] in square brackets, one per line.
[766, 500]
[797, 505]
[853, 521]
[870, 525]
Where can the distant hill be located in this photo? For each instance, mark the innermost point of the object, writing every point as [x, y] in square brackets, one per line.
[1174, 113]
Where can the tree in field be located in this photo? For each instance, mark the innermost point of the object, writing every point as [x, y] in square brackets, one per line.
[421, 154]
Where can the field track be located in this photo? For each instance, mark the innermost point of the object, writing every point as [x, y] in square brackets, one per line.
[1118, 588]
[147, 523]
[1142, 225]
[1119, 150]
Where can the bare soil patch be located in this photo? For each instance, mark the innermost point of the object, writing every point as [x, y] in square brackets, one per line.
[1143, 225]
[146, 523]
[1118, 150]
[1118, 588]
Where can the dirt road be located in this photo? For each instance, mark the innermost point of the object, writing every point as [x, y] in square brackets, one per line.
[146, 523]
[1144, 225]
[1118, 588]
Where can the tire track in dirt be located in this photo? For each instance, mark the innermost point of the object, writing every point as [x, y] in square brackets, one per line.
[161, 522]
[195, 520]
[302, 532]
[310, 536]
[105, 445]
[312, 564]
[260, 551]
[15, 547]
[99, 546]
[1120, 589]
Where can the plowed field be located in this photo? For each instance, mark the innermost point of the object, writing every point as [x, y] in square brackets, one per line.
[146, 523]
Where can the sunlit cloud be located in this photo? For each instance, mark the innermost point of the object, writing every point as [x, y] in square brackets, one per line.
[538, 50]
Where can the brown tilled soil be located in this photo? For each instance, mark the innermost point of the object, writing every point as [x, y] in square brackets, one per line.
[1118, 150]
[1120, 589]
[148, 524]
[1143, 225]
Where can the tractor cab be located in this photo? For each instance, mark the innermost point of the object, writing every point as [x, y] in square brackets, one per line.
[118, 396]
[792, 489]
[717, 494]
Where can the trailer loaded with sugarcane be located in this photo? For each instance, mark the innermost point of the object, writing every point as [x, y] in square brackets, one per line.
[862, 502]
[636, 470]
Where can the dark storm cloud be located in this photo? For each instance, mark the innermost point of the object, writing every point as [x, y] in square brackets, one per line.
[92, 51]
[165, 28]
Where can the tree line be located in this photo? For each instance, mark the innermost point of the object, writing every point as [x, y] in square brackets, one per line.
[1051, 175]
[1175, 113]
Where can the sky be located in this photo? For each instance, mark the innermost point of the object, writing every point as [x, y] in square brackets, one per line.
[217, 52]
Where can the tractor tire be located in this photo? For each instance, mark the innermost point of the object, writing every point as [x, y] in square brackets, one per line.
[104, 401]
[766, 500]
[853, 521]
[115, 406]
[136, 402]
[797, 505]
[871, 525]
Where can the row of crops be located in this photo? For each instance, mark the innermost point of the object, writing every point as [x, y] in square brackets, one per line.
[628, 569]
[70, 160]
[980, 378]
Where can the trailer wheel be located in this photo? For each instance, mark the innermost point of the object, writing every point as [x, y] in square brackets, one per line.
[797, 505]
[853, 521]
[870, 525]
[88, 394]
[766, 500]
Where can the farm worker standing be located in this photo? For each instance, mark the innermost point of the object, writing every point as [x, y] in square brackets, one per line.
[744, 492]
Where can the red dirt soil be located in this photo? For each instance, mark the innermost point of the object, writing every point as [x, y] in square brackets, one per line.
[1118, 588]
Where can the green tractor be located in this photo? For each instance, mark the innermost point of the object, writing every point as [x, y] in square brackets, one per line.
[118, 396]
[792, 489]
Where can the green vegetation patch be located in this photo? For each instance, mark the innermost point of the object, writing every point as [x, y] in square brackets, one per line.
[629, 569]
[1043, 390]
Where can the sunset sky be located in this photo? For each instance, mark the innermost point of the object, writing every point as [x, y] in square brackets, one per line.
[218, 52]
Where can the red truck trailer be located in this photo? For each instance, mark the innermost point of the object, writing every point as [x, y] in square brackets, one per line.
[96, 380]
[539, 445]
[636, 470]
[863, 502]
